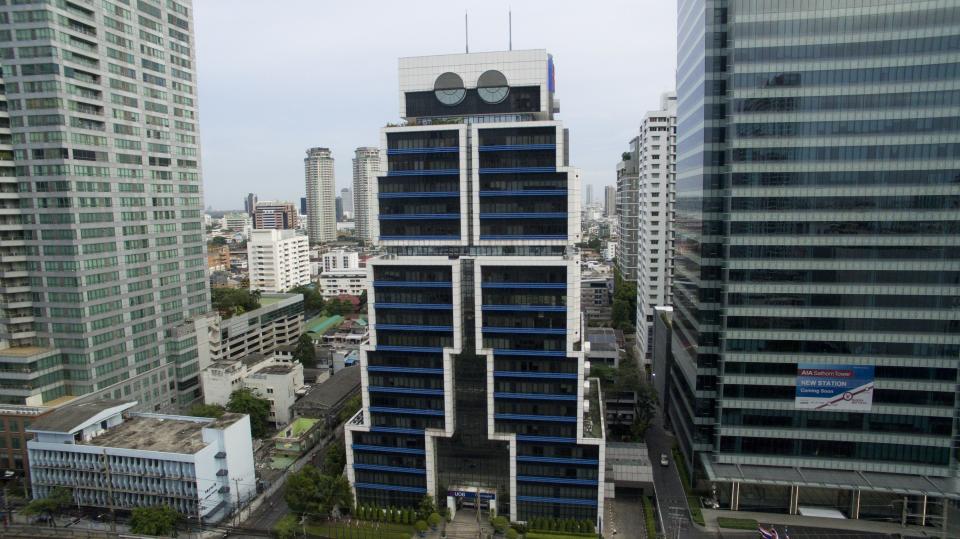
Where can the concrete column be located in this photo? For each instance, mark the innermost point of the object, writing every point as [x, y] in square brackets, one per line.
[855, 505]
[794, 499]
[923, 511]
[735, 496]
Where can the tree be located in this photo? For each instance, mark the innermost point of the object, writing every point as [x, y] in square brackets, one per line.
[287, 528]
[500, 524]
[335, 459]
[512, 534]
[231, 301]
[312, 299]
[434, 520]
[351, 407]
[245, 401]
[218, 241]
[207, 410]
[309, 491]
[624, 302]
[155, 520]
[421, 527]
[427, 506]
[301, 489]
[53, 504]
[337, 307]
[306, 353]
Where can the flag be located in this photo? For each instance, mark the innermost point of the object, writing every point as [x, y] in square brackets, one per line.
[768, 534]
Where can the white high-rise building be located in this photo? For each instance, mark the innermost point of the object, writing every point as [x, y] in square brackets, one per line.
[657, 150]
[628, 176]
[321, 195]
[366, 166]
[278, 260]
[102, 254]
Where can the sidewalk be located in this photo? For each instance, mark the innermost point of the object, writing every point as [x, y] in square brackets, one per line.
[710, 517]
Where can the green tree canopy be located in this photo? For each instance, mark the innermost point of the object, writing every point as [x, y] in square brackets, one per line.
[306, 352]
[231, 301]
[312, 299]
[309, 491]
[350, 407]
[207, 410]
[245, 401]
[218, 241]
[52, 505]
[335, 459]
[155, 520]
[337, 307]
[624, 303]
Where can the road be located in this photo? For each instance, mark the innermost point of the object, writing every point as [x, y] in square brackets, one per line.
[671, 499]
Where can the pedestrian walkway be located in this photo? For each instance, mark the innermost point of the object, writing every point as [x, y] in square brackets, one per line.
[466, 526]
[710, 517]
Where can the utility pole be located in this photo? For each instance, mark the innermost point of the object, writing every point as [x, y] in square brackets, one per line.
[113, 511]
[237, 484]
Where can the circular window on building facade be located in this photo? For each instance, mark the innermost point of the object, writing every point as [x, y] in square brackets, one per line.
[492, 87]
[449, 89]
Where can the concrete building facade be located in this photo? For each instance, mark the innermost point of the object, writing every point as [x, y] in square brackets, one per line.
[275, 215]
[657, 150]
[321, 195]
[340, 259]
[366, 167]
[278, 260]
[110, 457]
[628, 206]
[334, 283]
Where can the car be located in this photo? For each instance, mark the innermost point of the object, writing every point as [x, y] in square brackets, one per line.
[664, 461]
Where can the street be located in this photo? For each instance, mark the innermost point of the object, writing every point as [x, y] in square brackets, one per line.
[671, 500]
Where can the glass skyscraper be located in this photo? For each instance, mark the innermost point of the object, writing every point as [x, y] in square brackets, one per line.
[817, 282]
[102, 257]
[474, 384]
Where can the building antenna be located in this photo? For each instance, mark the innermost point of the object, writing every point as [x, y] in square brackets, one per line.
[510, 26]
[466, 30]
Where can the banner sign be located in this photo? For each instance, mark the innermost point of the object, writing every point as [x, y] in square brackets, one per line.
[840, 388]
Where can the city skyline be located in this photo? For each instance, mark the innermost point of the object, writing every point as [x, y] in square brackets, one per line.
[314, 111]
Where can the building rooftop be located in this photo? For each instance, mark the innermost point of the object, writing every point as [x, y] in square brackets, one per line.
[69, 418]
[275, 369]
[147, 433]
[25, 351]
[333, 391]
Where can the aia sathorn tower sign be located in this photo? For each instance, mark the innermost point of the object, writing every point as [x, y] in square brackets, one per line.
[835, 388]
[474, 385]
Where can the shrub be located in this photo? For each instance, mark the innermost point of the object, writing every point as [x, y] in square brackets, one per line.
[737, 523]
[512, 534]
[500, 524]
[434, 520]
[421, 526]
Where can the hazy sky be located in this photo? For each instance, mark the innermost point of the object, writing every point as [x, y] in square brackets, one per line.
[276, 77]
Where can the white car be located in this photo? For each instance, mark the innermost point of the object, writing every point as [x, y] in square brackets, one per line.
[664, 461]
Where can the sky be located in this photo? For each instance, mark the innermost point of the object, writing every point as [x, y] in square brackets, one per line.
[277, 77]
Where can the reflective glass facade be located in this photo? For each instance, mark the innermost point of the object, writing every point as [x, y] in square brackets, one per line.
[818, 183]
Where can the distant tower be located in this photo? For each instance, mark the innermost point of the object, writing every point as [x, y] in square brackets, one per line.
[366, 165]
[609, 201]
[321, 195]
[250, 204]
[589, 196]
[347, 195]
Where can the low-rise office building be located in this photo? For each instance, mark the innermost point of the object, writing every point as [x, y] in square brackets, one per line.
[340, 259]
[277, 324]
[596, 297]
[108, 457]
[350, 282]
[277, 378]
